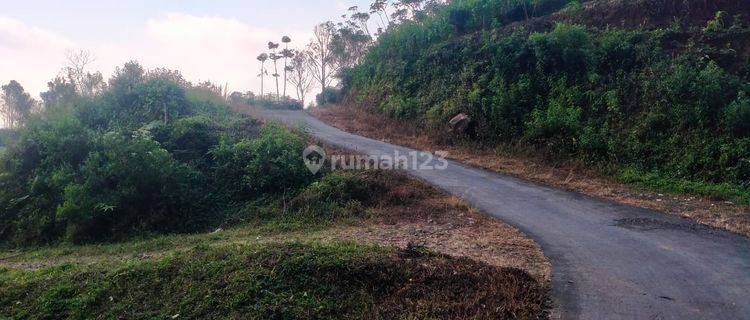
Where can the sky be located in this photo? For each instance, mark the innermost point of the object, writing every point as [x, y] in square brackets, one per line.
[206, 40]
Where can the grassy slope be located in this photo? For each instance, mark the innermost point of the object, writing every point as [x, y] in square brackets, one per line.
[275, 266]
[645, 164]
[274, 281]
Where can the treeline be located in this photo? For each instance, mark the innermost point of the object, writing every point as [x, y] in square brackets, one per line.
[147, 153]
[667, 106]
[335, 47]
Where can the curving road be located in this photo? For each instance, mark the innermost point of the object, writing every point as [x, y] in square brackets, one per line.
[609, 261]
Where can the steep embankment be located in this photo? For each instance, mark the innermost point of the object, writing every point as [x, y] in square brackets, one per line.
[653, 92]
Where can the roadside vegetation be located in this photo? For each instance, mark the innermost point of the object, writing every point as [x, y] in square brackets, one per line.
[146, 196]
[339, 280]
[654, 100]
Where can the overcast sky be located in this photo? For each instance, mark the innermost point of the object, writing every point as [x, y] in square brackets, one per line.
[206, 40]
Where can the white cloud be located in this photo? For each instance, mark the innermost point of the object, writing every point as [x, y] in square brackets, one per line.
[30, 55]
[214, 48]
[209, 48]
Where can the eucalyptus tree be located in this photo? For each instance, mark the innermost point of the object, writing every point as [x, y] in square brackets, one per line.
[322, 62]
[301, 77]
[17, 105]
[86, 83]
[263, 57]
[286, 53]
[380, 7]
[275, 57]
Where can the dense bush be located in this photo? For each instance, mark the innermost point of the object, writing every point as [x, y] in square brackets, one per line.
[5, 135]
[151, 154]
[128, 186]
[335, 195]
[329, 96]
[270, 102]
[632, 99]
[271, 163]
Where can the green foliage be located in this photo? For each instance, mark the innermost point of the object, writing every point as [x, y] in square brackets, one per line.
[338, 280]
[5, 136]
[110, 167]
[737, 116]
[329, 96]
[276, 164]
[131, 185]
[609, 97]
[270, 102]
[336, 195]
[188, 139]
[271, 163]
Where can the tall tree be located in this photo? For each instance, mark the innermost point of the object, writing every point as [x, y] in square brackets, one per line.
[319, 51]
[286, 53]
[86, 83]
[263, 57]
[301, 77]
[60, 92]
[17, 104]
[275, 57]
[380, 7]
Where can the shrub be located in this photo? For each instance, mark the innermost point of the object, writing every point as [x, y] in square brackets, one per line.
[33, 173]
[336, 195]
[207, 103]
[270, 102]
[276, 164]
[189, 140]
[611, 96]
[737, 116]
[129, 186]
[329, 96]
[272, 163]
[146, 156]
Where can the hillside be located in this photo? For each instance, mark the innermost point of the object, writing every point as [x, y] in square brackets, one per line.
[621, 86]
[156, 199]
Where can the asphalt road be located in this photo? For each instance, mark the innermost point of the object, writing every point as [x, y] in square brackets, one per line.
[609, 261]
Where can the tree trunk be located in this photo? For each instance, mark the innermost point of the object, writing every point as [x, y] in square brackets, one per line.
[285, 63]
[276, 76]
[262, 76]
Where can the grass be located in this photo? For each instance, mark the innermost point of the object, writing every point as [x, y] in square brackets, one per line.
[291, 259]
[294, 280]
[658, 182]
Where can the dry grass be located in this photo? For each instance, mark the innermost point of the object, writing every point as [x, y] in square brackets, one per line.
[411, 213]
[572, 177]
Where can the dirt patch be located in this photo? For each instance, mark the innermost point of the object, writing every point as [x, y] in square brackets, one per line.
[411, 213]
[571, 176]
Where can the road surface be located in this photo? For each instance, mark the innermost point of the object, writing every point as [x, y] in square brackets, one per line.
[609, 261]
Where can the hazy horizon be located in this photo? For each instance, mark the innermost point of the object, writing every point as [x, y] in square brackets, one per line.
[217, 41]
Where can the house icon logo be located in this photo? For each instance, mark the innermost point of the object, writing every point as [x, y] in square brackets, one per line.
[314, 158]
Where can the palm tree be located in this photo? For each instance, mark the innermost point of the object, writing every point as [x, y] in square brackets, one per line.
[286, 53]
[262, 58]
[273, 46]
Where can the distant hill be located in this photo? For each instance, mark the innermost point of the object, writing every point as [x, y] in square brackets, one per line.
[655, 89]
